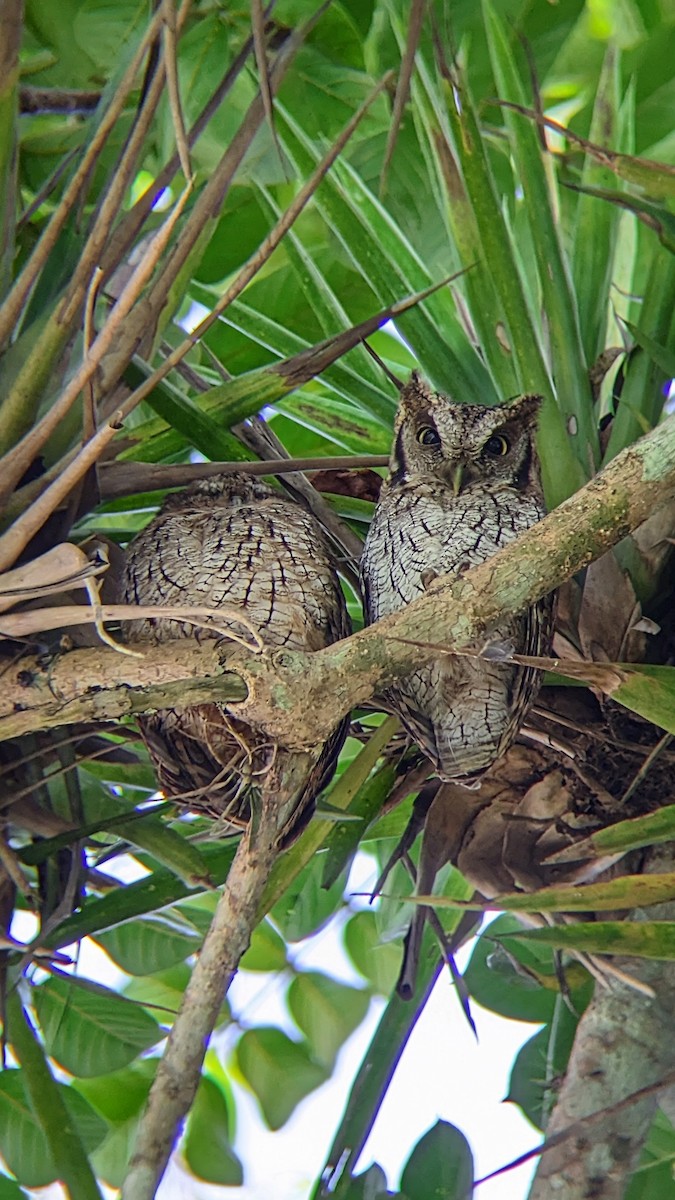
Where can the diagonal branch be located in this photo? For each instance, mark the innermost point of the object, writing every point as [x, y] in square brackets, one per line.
[298, 698]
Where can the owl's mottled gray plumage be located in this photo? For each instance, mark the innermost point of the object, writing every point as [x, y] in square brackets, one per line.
[234, 542]
[463, 482]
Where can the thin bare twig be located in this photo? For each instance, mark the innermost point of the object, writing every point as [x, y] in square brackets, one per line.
[258, 30]
[12, 307]
[88, 401]
[16, 538]
[172, 87]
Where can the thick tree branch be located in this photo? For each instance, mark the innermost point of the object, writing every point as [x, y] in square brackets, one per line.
[299, 697]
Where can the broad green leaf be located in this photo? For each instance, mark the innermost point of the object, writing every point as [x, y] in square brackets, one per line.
[541, 1063]
[306, 905]
[378, 961]
[206, 1146]
[653, 1178]
[22, 1140]
[523, 987]
[327, 1012]
[10, 1190]
[120, 1097]
[640, 939]
[345, 838]
[161, 993]
[280, 1072]
[441, 1165]
[135, 899]
[89, 1029]
[150, 944]
[371, 1185]
[267, 951]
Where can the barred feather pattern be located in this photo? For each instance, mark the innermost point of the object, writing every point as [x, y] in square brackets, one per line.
[463, 482]
[234, 542]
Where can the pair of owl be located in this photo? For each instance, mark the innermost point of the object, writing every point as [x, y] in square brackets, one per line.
[463, 482]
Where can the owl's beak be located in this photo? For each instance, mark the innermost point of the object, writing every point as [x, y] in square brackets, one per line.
[457, 478]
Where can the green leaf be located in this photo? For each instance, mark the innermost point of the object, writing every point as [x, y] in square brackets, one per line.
[206, 1147]
[541, 1063]
[10, 1190]
[391, 267]
[568, 362]
[522, 987]
[163, 991]
[306, 905]
[360, 794]
[374, 1075]
[440, 1166]
[280, 1072]
[120, 1097]
[142, 829]
[370, 1185]
[627, 835]
[188, 418]
[645, 689]
[150, 944]
[89, 1029]
[267, 951]
[596, 224]
[629, 891]
[641, 939]
[378, 961]
[642, 396]
[134, 899]
[22, 1140]
[653, 1178]
[327, 1012]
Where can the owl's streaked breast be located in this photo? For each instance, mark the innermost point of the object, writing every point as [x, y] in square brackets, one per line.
[236, 545]
[420, 529]
[463, 483]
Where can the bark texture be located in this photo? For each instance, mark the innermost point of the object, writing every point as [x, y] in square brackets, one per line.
[299, 697]
[624, 1042]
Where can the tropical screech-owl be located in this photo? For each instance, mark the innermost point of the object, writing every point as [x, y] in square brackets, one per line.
[463, 482]
[233, 542]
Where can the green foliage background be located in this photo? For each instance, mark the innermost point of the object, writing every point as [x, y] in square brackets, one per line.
[568, 253]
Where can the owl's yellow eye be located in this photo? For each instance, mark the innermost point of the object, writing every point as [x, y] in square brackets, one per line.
[428, 436]
[497, 446]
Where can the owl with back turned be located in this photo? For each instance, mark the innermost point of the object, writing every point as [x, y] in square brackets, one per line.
[235, 544]
[463, 481]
